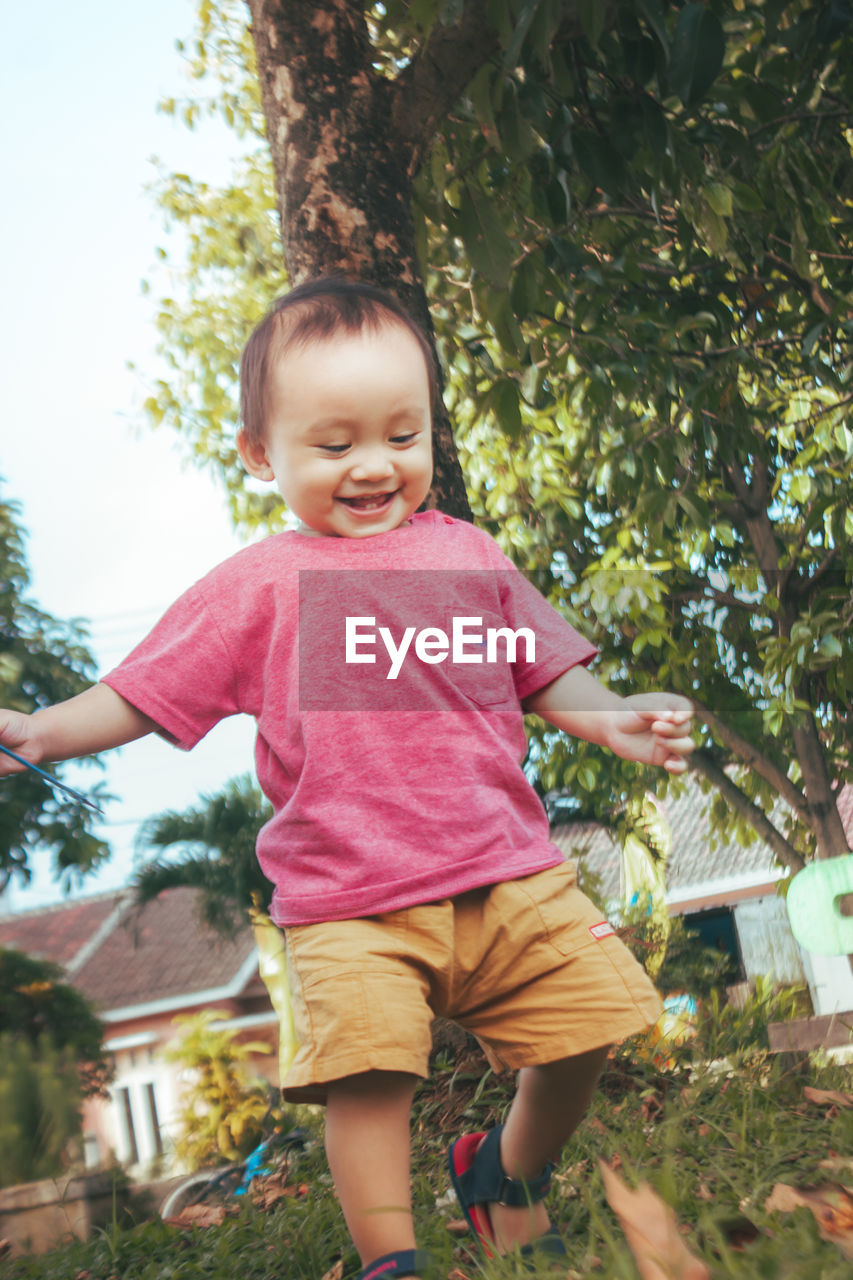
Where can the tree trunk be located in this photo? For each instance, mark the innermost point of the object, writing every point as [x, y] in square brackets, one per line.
[821, 809]
[342, 174]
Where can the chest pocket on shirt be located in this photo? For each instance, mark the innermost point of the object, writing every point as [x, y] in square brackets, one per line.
[486, 683]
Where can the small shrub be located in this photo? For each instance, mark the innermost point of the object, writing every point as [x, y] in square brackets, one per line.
[224, 1108]
[40, 1097]
[725, 1030]
[688, 965]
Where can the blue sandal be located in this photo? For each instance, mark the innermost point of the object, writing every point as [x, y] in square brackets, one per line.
[479, 1180]
[406, 1262]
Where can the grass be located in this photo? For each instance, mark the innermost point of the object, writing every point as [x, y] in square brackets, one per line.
[712, 1142]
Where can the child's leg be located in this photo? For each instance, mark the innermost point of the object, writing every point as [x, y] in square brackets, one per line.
[369, 1151]
[546, 1110]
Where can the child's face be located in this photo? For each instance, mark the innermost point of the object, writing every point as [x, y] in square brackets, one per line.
[349, 436]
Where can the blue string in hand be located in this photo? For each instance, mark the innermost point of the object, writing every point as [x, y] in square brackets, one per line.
[54, 782]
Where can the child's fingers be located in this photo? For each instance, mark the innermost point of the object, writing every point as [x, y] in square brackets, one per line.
[671, 728]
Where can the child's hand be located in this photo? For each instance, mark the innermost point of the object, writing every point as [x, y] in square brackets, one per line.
[16, 733]
[653, 728]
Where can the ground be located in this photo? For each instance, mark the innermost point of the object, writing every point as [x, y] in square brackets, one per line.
[715, 1145]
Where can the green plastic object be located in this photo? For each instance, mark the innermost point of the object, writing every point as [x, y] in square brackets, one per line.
[814, 906]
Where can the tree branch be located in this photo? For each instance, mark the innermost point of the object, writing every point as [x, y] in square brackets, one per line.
[752, 500]
[429, 86]
[722, 598]
[752, 757]
[785, 852]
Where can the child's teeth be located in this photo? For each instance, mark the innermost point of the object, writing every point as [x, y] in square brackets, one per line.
[369, 502]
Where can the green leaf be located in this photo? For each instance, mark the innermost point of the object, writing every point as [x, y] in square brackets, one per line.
[593, 17]
[653, 14]
[654, 127]
[486, 242]
[698, 49]
[517, 136]
[599, 160]
[528, 13]
[719, 197]
[813, 337]
[480, 92]
[503, 402]
[800, 488]
[587, 777]
[747, 198]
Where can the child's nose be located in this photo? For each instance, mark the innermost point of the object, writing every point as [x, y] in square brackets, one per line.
[372, 464]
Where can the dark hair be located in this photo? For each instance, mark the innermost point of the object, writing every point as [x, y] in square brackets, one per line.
[311, 312]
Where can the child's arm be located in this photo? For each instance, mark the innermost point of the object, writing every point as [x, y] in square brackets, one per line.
[653, 728]
[96, 719]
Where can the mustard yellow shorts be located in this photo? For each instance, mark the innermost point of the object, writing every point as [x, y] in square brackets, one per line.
[529, 966]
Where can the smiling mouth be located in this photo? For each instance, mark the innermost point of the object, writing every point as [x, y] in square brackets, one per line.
[368, 501]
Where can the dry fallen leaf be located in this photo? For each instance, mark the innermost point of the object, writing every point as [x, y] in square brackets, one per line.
[830, 1097]
[831, 1205]
[336, 1272]
[652, 1231]
[199, 1215]
[457, 1226]
[267, 1192]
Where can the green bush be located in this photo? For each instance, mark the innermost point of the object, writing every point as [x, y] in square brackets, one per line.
[725, 1030]
[40, 1098]
[36, 1003]
[688, 965]
[223, 1109]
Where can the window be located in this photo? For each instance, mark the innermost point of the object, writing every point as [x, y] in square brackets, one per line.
[126, 1113]
[716, 929]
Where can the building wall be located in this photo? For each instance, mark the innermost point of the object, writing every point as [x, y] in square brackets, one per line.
[137, 1122]
[766, 942]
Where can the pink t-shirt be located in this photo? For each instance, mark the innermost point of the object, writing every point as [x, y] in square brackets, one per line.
[390, 729]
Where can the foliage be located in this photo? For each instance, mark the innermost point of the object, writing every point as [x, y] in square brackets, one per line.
[42, 661]
[36, 1004]
[218, 842]
[39, 1108]
[727, 1030]
[224, 1108]
[218, 838]
[636, 241]
[661, 373]
[687, 966]
[712, 1150]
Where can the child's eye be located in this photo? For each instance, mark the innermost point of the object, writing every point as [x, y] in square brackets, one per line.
[405, 439]
[333, 449]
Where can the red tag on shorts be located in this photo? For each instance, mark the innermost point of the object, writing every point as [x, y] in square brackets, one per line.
[603, 930]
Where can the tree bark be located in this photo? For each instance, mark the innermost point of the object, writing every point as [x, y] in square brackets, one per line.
[757, 819]
[752, 757]
[344, 149]
[821, 811]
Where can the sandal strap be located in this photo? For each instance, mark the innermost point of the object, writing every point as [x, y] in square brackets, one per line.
[487, 1183]
[405, 1262]
[550, 1245]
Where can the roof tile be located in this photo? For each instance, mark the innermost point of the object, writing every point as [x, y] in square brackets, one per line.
[163, 952]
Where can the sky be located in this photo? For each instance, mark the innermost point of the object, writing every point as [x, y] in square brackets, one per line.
[118, 524]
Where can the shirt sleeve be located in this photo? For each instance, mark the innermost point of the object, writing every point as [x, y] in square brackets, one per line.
[558, 646]
[181, 675]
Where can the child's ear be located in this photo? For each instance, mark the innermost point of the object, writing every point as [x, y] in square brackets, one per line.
[253, 455]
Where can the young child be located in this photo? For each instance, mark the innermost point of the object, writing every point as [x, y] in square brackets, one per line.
[411, 862]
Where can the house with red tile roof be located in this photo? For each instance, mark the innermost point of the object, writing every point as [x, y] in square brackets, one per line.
[141, 970]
